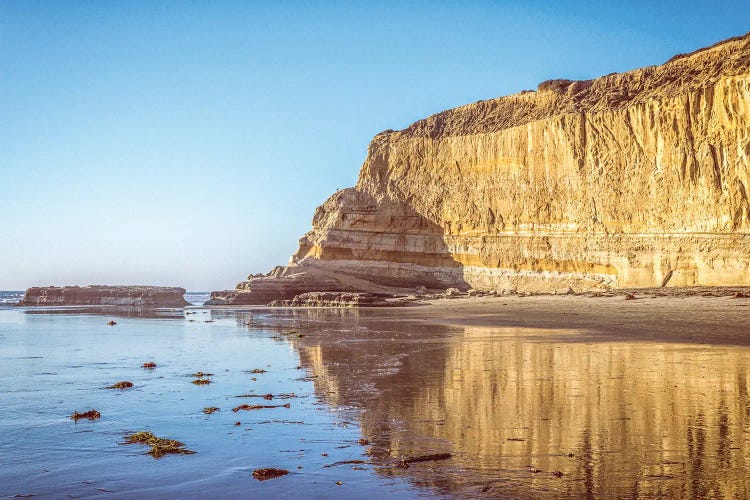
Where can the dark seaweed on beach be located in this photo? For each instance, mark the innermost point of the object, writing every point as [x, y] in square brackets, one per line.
[269, 396]
[269, 473]
[91, 415]
[258, 407]
[159, 446]
[121, 385]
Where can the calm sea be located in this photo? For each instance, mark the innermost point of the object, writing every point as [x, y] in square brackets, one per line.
[523, 413]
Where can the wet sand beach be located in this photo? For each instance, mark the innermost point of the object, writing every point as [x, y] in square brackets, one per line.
[489, 397]
[668, 318]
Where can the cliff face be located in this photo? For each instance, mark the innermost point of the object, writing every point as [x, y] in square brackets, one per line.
[146, 296]
[637, 179]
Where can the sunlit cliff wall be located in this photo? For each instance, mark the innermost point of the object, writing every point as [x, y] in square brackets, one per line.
[637, 179]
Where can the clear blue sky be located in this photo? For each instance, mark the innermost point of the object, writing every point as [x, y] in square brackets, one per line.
[188, 143]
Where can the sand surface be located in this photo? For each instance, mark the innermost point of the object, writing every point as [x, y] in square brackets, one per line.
[721, 320]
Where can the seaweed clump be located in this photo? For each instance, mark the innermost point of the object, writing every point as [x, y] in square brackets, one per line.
[159, 446]
[121, 385]
[258, 407]
[210, 409]
[201, 374]
[202, 381]
[91, 415]
[269, 473]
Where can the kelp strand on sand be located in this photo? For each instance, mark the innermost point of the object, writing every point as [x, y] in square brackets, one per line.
[121, 385]
[258, 407]
[159, 446]
[90, 415]
[269, 473]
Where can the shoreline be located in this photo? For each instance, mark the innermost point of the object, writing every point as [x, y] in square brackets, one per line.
[695, 317]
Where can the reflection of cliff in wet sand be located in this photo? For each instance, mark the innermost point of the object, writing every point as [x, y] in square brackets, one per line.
[538, 412]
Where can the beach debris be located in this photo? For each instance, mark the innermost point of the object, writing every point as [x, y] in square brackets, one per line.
[210, 409]
[630, 296]
[557, 473]
[149, 365]
[201, 374]
[121, 385]
[91, 415]
[111, 323]
[740, 295]
[258, 407]
[202, 381]
[269, 396]
[404, 462]
[159, 446]
[269, 473]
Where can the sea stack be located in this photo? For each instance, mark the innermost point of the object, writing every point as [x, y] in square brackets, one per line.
[99, 295]
[636, 179]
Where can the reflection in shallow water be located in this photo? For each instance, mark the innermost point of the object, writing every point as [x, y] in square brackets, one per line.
[616, 419]
[513, 406]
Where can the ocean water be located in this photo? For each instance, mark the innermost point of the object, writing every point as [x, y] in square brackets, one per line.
[9, 298]
[197, 298]
[523, 413]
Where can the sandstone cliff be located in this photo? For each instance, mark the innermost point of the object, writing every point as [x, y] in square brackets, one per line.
[146, 296]
[638, 179]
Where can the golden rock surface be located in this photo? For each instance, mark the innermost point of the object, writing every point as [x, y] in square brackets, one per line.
[637, 179]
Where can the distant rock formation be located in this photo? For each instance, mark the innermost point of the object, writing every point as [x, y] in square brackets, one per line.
[638, 179]
[95, 295]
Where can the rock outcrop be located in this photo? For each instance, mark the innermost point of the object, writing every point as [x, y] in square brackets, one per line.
[95, 295]
[638, 179]
[337, 299]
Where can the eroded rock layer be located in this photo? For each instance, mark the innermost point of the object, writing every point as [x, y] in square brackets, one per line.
[142, 296]
[637, 179]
